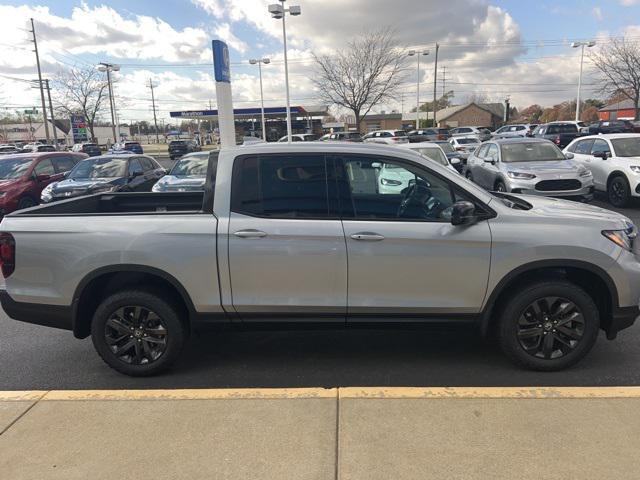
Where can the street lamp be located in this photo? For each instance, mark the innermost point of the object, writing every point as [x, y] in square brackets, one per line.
[588, 44]
[266, 61]
[411, 54]
[278, 12]
[111, 67]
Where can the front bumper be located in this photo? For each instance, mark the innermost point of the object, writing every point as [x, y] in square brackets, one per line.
[528, 187]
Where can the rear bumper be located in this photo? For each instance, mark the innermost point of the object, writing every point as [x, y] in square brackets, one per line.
[56, 316]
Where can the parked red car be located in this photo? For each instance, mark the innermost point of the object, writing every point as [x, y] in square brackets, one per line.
[24, 175]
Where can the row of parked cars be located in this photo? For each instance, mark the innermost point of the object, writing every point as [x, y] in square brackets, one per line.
[28, 179]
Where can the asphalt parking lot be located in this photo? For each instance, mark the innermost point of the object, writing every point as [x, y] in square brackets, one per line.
[34, 357]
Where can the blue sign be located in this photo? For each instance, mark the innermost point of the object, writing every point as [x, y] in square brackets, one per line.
[221, 61]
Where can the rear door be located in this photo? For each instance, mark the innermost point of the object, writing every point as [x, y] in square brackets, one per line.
[406, 260]
[137, 181]
[287, 253]
[487, 172]
[599, 167]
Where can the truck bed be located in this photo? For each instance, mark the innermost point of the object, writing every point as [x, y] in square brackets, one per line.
[122, 203]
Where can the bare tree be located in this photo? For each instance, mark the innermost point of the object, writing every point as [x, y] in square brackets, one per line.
[81, 91]
[365, 72]
[619, 65]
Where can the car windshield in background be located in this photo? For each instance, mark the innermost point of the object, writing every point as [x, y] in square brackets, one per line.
[310, 138]
[99, 168]
[131, 144]
[195, 166]
[627, 147]
[399, 133]
[447, 147]
[433, 153]
[14, 167]
[466, 141]
[530, 152]
[564, 128]
[177, 142]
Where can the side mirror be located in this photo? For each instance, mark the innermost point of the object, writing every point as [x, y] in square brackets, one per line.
[491, 161]
[602, 155]
[569, 155]
[454, 161]
[137, 173]
[463, 213]
[43, 177]
[376, 165]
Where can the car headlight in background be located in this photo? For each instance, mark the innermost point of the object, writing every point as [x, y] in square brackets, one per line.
[157, 187]
[389, 182]
[47, 193]
[635, 168]
[521, 175]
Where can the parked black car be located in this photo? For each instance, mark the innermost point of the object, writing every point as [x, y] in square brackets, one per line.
[177, 148]
[562, 134]
[134, 147]
[106, 173]
[428, 135]
[613, 126]
[91, 149]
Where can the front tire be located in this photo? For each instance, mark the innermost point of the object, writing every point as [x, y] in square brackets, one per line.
[548, 325]
[619, 192]
[501, 187]
[138, 332]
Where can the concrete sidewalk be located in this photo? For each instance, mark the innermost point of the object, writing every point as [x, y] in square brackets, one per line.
[346, 433]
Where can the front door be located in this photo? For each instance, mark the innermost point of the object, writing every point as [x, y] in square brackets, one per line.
[599, 167]
[287, 254]
[406, 260]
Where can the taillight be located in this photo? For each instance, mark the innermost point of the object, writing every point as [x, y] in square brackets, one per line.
[7, 254]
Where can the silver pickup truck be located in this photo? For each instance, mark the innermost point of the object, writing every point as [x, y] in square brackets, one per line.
[321, 233]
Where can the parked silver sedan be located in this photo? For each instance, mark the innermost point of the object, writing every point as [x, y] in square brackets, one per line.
[530, 166]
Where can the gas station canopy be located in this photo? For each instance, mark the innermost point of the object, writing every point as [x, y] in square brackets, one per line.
[309, 111]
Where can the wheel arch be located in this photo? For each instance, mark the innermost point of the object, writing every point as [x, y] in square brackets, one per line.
[616, 173]
[99, 283]
[591, 278]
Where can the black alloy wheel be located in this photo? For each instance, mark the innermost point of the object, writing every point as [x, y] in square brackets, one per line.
[136, 335]
[550, 327]
[501, 187]
[618, 192]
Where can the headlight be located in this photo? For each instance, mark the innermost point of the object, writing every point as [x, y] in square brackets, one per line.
[387, 181]
[622, 238]
[635, 168]
[47, 193]
[157, 187]
[585, 173]
[521, 175]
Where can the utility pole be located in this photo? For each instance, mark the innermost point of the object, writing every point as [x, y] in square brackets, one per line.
[435, 83]
[44, 109]
[153, 103]
[53, 120]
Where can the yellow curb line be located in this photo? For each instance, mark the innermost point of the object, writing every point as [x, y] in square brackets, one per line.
[339, 393]
[192, 394]
[22, 395]
[491, 392]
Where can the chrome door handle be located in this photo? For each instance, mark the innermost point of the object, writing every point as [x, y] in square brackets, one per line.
[367, 236]
[250, 233]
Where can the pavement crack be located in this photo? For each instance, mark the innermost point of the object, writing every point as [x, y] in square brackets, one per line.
[19, 417]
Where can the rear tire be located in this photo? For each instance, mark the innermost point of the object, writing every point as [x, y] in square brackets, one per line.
[135, 343]
[548, 325]
[618, 191]
[501, 187]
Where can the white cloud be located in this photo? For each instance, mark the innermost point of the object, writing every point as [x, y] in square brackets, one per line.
[597, 13]
[629, 3]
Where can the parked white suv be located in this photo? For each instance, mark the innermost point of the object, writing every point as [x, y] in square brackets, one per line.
[389, 137]
[614, 161]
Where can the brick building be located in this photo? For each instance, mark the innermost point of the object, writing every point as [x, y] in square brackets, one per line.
[623, 110]
[472, 114]
[381, 121]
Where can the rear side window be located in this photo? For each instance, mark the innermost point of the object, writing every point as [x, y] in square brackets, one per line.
[147, 164]
[280, 186]
[600, 146]
[582, 147]
[63, 164]
[134, 166]
[45, 167]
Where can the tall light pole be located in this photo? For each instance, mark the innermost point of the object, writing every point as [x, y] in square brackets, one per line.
[411, 54]
[278, 12]
[258, 61]
[153, 105]
[40, 83]
[589, 44]
[110, 67]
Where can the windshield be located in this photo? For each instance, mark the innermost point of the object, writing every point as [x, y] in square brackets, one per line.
[14, 167]
[447, 147]
[530, 152]
[399, 133]
[310, 138]
[194, 166]
[626, 147]
[466, 141]
[99, 167]
[177, 142]
[433, 153]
